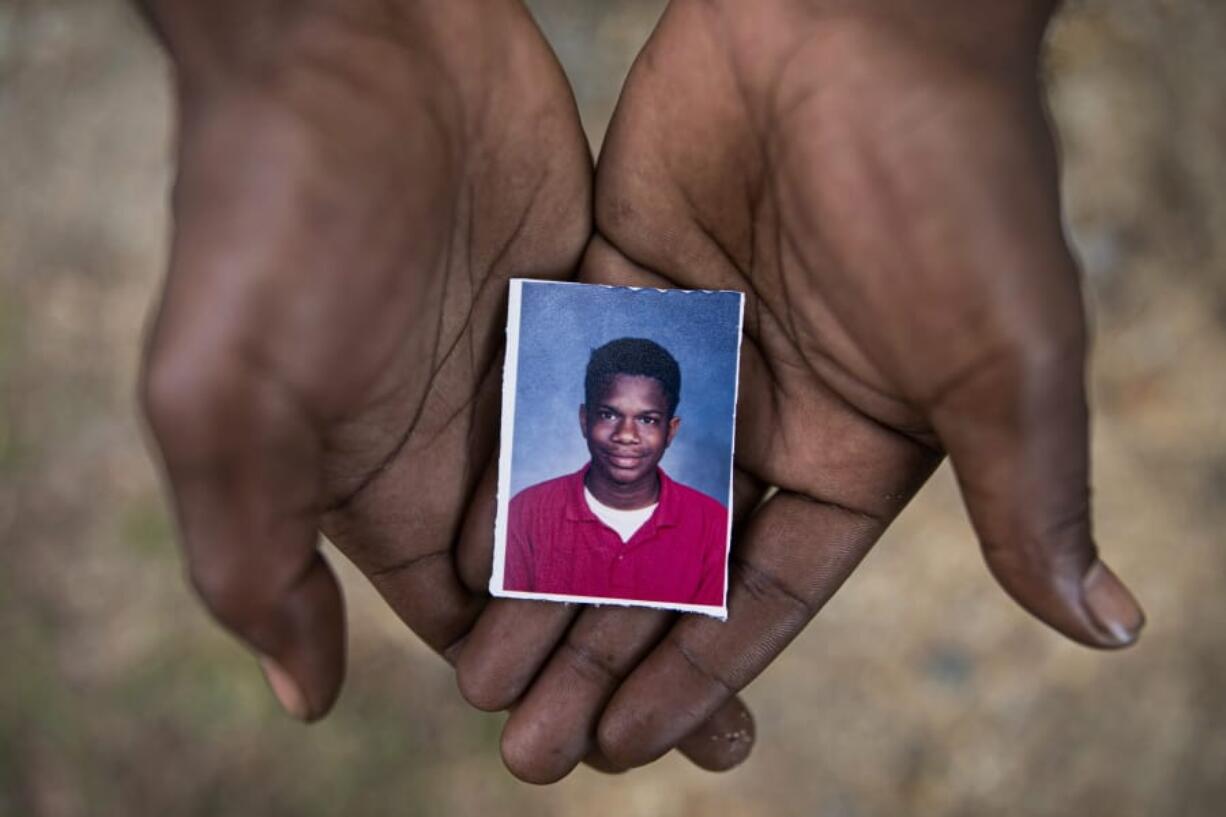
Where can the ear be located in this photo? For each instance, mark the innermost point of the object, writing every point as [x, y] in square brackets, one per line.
[673, 425]
[583, 420]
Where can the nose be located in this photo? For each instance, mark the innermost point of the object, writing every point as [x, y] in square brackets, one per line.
[625, 432]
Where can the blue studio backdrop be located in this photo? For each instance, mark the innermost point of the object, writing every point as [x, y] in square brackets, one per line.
[560, 325]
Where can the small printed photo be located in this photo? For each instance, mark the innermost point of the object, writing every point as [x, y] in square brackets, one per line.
[615, 469]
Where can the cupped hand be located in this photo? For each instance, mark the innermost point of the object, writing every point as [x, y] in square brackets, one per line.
[880, 179]
[356, 183]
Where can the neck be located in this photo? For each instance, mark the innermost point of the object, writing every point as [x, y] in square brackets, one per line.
[624, 496]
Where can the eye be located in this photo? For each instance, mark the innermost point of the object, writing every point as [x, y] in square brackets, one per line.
[651, 421]
[606, 415]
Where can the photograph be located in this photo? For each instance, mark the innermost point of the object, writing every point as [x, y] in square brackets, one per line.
[615, 470]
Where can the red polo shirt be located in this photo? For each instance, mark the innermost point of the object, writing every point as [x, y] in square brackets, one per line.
[555, 544]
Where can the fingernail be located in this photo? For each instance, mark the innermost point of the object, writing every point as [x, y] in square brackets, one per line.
[283, 685]
[1111, 605]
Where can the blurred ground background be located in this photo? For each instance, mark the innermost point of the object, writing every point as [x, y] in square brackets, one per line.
[920, 690]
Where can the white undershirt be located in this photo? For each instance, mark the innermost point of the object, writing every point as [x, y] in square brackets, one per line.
[626, 523]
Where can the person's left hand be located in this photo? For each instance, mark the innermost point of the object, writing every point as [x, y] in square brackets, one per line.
[880, 181]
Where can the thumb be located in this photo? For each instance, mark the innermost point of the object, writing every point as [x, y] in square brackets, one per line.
[1015, 424]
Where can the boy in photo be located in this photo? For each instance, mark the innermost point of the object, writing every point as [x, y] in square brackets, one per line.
[620, 527]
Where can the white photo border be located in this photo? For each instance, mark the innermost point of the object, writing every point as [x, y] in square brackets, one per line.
[510, 383]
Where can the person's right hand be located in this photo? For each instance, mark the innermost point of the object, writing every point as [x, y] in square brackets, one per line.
[356, 183]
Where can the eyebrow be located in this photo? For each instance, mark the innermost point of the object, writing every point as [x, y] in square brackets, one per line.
[607, 407]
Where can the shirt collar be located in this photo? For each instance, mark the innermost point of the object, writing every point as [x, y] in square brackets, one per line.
[666, 515]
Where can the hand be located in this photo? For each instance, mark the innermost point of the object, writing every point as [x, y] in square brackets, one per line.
[353, 193]
[880, 180]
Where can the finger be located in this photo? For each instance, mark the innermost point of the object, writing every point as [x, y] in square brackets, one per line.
[792, 557]
[554, 727]
[506, 648]
[511, 640]
[596, 759]
[724, 740]
[243, 465]
[1015, 424]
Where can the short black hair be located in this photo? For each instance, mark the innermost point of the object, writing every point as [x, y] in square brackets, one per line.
[633, 356]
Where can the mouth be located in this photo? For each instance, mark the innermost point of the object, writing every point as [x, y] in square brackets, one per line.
[623, 462]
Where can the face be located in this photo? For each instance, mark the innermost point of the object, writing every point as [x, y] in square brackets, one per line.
[627, 428]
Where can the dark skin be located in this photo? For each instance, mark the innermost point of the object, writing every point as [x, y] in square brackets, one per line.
[352, 195]
[331, 315]
[353, 192]
[627, 429]
[880, 179]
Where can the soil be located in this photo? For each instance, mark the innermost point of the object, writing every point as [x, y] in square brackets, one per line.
[921, 689]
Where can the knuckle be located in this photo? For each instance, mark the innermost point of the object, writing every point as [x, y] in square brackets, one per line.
[1045, 350]
[228, 590]
[714, 681]
[589, 665]
[1048, 545]
[1027, 363]
[764, 586]
[181, 392]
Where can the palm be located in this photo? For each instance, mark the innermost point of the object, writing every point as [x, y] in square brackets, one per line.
[892, 216]
[894, 220]
[733, 190]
